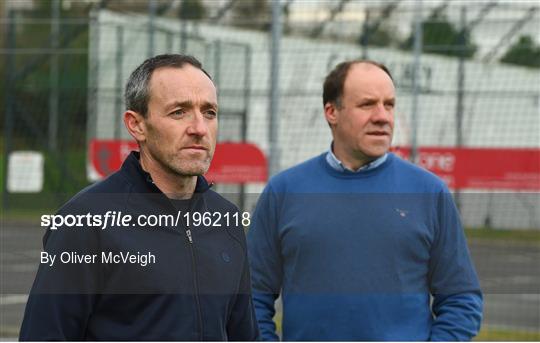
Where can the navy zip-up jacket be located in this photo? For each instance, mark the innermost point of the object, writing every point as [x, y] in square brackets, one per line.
[197, 287]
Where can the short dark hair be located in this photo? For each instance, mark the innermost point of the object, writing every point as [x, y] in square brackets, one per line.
[137, 93]
[334, 81]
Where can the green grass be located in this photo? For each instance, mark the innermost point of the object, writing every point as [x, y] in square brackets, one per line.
[489, 334]
[486, 334]
[517, 235]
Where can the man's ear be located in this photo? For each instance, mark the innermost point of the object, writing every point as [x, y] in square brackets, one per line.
[135, 124]
[330, 113]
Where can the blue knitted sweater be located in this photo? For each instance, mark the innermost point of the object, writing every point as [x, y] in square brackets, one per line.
[356, 256]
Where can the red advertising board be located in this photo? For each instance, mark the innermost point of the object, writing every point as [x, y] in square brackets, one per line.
[238, 163]
[461, 168]
[232, 162]
[482, 168]
[106, 156]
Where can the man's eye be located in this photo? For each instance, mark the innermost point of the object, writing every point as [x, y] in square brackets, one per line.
[390, 105]
[178, 112]
[211, 113]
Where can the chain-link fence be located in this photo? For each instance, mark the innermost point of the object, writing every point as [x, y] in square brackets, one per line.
[477, 86]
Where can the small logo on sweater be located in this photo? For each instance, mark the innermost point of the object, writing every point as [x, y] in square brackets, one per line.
[402, 213]
[226, 257]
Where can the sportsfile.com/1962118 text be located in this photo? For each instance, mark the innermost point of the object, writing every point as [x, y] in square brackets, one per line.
[118, 219]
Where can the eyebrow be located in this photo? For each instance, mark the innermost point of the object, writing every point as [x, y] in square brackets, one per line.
[369, 99]
[189, 104]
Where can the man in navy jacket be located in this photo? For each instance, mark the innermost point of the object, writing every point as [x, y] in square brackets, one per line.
[160, 274]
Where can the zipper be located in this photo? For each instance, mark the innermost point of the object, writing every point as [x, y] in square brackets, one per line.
[193, 263]
[195, 279]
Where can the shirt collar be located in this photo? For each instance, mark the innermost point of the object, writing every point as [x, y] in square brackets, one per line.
[336, 164]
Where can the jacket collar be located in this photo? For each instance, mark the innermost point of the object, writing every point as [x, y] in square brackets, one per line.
[132, 167]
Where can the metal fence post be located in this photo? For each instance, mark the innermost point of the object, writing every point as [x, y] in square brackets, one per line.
[9, 87]
[152, 9]
[415, 79]
[274, 88]
[119, 67]
[54, 75]
[244, 128]
[460, 90]
[364, 38]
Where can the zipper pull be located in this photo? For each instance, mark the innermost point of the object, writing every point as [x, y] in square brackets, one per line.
[188, 234]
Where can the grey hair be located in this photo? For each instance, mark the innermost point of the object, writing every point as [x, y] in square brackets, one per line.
[137, 93]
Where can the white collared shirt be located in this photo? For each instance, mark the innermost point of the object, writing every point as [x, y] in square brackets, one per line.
[336, 164]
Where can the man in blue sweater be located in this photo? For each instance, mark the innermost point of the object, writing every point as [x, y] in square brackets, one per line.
[361, 244]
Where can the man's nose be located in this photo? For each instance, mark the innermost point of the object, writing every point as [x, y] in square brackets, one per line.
[381, 114]
[197, 126]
